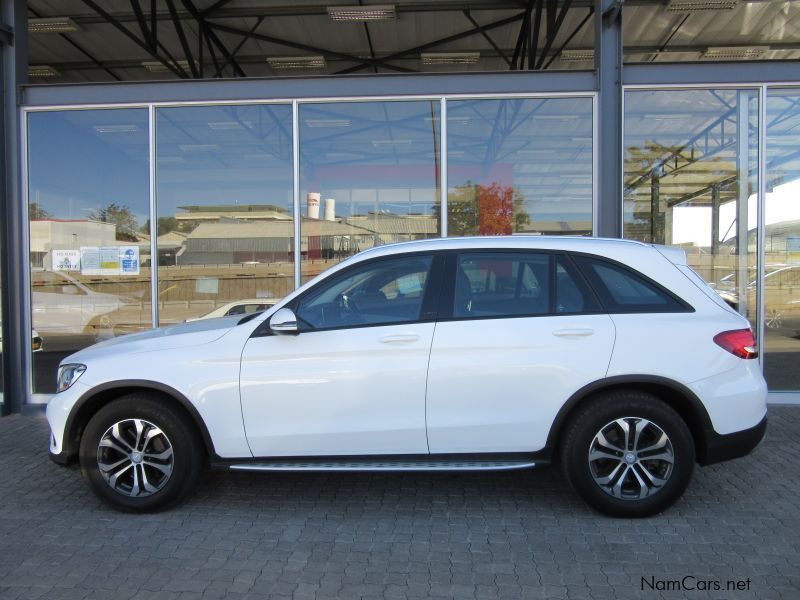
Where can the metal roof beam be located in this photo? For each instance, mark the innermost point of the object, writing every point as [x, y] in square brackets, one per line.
[296, 10]
[487, 37]
[218, 72]
[519, 48]
[557, 21]
[137, 10]
[79, 48]
[533, 40]
[433, 44]
[290, 44]
[189, 5]
[575, 32]
[175, 68]
[187, 51]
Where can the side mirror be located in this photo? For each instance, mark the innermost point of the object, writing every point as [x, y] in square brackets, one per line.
[284, 322]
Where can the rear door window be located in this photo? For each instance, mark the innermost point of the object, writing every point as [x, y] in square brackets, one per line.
[511, 284]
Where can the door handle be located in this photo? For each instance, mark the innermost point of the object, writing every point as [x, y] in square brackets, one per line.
[574, 332]
[401, 338]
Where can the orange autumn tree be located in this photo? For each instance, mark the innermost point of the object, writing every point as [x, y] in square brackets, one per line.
[496, 215]
[494, 209]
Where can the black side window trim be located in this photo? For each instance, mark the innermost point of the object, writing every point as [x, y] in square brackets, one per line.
[428, 312]
[449, 283]
[597, 285]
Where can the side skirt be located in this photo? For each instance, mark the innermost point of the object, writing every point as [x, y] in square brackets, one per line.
[389, 463]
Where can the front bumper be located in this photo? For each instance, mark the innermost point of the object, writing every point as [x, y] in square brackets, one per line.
[60, 458]
[719, 448]
[58, 411]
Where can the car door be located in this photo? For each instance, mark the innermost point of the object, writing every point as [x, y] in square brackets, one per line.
[353, 380]
[519, 333]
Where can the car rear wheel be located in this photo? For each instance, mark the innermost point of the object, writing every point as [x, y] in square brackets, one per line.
[140, 454]
[627, 454]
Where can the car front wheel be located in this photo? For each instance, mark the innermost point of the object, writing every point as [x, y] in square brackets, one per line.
[628, 454]
[140, 454]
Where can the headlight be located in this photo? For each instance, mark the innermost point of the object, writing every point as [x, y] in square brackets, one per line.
[67, 375]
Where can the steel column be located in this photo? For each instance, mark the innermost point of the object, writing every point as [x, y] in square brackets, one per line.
[298, 247]
[714, 224]
[761, 216]
[742, 194]
[16, 354]
[443, 189]
[608, 60]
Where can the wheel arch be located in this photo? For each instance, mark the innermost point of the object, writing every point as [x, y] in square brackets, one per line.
[675, 394]
[97, 397]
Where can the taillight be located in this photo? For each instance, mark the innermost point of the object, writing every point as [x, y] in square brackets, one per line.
[739, 342]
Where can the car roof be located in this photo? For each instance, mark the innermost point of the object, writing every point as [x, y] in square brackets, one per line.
[537, 242]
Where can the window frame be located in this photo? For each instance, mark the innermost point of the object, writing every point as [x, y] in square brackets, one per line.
[428, 309]
[447, 296]
[595, 282]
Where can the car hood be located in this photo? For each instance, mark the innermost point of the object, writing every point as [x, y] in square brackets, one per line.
[183, 335]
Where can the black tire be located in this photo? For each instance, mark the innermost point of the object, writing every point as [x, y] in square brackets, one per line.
[176, 433]
[600, 413]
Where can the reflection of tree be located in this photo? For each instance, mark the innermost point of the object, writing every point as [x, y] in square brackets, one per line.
[492, 209]
[39, 213]
[167, 224]
[121, 216]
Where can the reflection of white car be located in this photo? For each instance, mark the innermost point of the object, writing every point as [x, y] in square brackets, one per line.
[781, 286]
[239, 307]
[64, 305]
[36, 340]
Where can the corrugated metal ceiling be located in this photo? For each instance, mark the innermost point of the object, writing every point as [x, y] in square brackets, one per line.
[101, 51]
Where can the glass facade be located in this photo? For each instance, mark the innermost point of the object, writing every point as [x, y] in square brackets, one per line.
[89, 256]
[781, 286]
[519, 166]
[228, 197]
[369, 175]
[224, 204]
[691, 180]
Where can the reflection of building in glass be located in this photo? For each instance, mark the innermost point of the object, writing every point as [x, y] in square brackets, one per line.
[232, 242]
[58, 234]
[247, 212]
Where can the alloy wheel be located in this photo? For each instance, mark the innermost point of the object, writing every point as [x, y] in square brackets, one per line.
[135, 458]
[631, 458]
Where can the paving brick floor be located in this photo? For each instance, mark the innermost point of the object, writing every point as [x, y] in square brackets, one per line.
[502, 535]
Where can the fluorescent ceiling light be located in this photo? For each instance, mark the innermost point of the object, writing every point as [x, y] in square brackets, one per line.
[577, 54]
[229, 125]
[728, 52]
[328, 122]
[155, 66]
[555, 117]
[376, 12]
[52, 25]
[343, 155]
[116, 128]
[296, 62]
[42, 71]
[391, 142]
[461, 120]
[450, 58]
[198, 147]
[698, 5]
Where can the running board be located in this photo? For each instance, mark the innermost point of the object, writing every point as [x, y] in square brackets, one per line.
[385, 465]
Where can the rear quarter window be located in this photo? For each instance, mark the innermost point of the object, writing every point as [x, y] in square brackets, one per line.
[622, 290]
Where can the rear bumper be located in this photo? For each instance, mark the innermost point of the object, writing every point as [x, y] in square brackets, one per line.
[721, 447]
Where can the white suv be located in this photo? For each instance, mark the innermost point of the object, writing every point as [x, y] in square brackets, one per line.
[612, 357]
